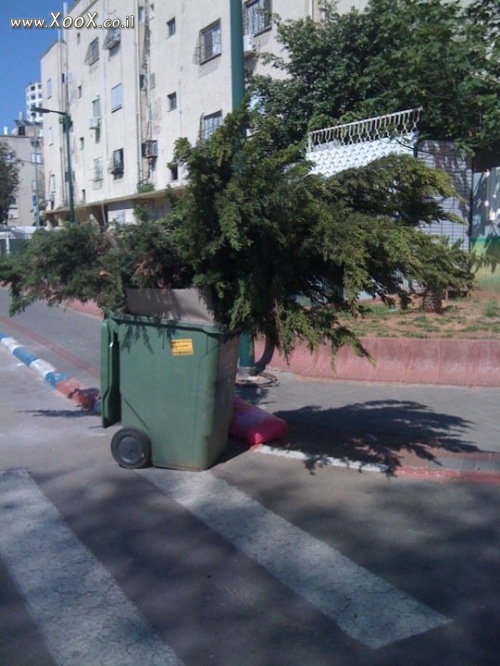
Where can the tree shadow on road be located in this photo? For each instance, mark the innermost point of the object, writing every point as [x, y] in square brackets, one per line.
[379, 432]
[75, 413]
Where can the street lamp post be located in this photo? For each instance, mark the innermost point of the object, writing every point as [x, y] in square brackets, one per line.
[36, 145]
[247, 354]
[66, 123]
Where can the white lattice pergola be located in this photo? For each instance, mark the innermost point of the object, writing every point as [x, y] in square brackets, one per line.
[353, 145]
[334, 149]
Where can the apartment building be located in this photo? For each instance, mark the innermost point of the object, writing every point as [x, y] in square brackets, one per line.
[25, 143]
[34, 98]
[133, 76]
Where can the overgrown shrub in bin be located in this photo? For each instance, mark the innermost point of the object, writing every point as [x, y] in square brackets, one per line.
[283, 251]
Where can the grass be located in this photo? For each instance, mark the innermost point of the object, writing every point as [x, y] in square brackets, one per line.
[491, 309]
[477, 316]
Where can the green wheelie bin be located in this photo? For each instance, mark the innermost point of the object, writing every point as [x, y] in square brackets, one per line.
[171, 386]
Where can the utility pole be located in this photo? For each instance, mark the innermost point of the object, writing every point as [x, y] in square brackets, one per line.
[247, 355]
[35, 143]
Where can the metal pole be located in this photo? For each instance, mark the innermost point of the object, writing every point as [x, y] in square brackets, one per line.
[237, 59]
[247, 355]
[66, 128]
[37, 201]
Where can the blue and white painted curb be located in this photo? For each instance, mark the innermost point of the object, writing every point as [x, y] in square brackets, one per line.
[60, 381]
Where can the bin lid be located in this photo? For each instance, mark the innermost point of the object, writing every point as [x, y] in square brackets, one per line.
[194, 305]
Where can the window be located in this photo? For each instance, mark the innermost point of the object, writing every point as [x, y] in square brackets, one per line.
[96, 114]
[171, 27]
[210, 123]
[79, 91]
[116, 97]
[49, 88]
[82, 143]
[174, 172]
[36, 158]
[96, 107]
[257, 16]
[117, 166]
[210, 42]
[112, 39]
[172, 101]
[51, 135]
[152, 80]
[98, 170]
[150, 148]
[92, 55]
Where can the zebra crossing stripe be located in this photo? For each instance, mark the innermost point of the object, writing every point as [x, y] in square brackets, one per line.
[80, 609]
[363, 605]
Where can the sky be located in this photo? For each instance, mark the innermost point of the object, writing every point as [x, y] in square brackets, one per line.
[20, 51]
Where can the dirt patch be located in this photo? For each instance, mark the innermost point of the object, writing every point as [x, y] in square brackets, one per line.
[472, 317]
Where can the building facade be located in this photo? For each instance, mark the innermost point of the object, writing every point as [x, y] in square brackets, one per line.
[134, 76]
[34, 98]
[25, 143]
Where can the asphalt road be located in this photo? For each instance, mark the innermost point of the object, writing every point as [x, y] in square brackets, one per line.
[260, 561]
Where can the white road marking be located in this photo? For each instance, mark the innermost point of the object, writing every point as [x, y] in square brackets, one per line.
[85, 617]
[321, 460]
[363, 605]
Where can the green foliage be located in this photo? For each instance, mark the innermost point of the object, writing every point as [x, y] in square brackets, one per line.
[284, 252]
[396, 54]
[9, 180]
[85, 263]
[145, 187]
[55, 266]
[491, 309]
[287, 252]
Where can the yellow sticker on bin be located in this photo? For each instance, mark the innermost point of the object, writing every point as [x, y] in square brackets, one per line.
[182, 347]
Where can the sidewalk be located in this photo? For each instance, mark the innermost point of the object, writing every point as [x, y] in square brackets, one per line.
[419, 431]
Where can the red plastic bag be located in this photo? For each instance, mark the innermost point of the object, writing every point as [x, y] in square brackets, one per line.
[253, 425]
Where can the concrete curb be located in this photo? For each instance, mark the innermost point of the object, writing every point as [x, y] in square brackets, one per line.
[441, 361]
[69, 388]
[449, 362]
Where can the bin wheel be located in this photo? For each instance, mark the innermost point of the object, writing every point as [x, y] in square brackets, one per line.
[131, 448]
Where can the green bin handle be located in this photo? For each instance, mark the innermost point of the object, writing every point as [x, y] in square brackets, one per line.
[110, 375]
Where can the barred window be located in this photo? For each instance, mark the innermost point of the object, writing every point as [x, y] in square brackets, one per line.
[210, 123]
[92, 55]
[257, 16]
[210, 42]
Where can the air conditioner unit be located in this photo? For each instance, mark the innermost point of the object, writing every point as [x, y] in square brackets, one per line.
[150, 148]
[248, 45]
[94, 122]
